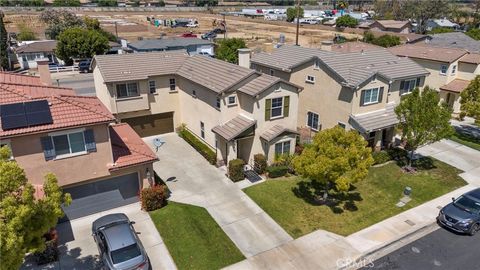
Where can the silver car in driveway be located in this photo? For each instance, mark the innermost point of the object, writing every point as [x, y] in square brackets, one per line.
[118, 243]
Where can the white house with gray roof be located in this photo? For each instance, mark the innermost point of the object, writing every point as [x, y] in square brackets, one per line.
[236, 111]
[191, 45]
[354, 90]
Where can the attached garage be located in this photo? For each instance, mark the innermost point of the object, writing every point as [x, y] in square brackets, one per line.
[150, 125]
[102, 195]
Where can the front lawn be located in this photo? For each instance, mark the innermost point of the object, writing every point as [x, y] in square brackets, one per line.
[290, 201]
[466, 140]
[193, 238]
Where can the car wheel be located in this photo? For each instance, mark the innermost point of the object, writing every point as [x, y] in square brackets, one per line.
[475, 229]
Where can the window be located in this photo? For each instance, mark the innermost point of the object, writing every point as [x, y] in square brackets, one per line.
[454, 69]
[342, 125]
[310, 79]
[443, 69]
[272, 72]
[316, 64]
[194, 93]
[232, 100]
[408, 86]
[370, 96]
[127, 90]
[173, 86]
[202, 130]
[152, 87]
[218, 103]
[282, 148]
[277, 107]
[71, 143]
[312, 120]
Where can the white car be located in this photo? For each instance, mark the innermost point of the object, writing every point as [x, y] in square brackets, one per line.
[192, 25]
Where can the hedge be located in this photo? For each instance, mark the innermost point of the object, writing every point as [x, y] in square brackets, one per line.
[235, 169]
[381, 157]
[260, 163]
[277, 171]
[201, 147]
[153, 198]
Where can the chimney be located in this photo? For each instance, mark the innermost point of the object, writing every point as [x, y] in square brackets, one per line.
[268, 47]
[244, 57]
[42, 66]
[326, 45]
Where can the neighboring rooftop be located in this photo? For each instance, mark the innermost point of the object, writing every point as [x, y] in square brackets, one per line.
[37, 46]
[393, 24]
[448, 55]
[472, 58]
[128, 148]
[166, 44]
[444, 23]
[14, 78]
[454, 40]
[354, 46]
[456, 86]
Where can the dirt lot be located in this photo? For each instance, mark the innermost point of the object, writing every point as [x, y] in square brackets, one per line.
[132, 26]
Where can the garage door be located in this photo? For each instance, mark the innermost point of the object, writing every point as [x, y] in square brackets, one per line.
[150, 125]
[102, 195]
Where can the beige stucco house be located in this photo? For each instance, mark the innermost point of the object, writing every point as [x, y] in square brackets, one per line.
[355, 90]
[236, 111]
[52, 130]
[403, 27]
[451, 69]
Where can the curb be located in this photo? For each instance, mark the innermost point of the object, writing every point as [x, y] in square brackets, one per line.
[387, 245]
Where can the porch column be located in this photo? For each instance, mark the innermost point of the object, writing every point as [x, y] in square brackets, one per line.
[378, 140]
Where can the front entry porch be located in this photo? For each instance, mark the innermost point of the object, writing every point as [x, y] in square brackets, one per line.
[450, 94]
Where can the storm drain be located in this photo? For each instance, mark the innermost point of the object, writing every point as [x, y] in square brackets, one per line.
[409, 222]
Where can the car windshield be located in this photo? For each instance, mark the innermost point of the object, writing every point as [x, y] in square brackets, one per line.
[125, 253]
[468, 204]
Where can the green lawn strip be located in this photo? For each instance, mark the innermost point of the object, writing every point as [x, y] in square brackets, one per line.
[193, 238]
[373, 199]
[466, 140]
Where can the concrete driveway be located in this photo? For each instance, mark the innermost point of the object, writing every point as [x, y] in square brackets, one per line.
[193, 180]
[79, 251]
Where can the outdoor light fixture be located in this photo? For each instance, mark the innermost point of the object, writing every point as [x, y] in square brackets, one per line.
[149, 177]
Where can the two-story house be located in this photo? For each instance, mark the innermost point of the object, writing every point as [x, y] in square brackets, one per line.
[451, 69]
[51, 129]
[236, 111]
[356, 90]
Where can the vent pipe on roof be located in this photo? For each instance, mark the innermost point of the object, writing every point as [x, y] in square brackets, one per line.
[43, 70]
[244, 57]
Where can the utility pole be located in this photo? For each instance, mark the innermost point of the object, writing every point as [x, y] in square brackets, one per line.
[224, 26]
[116, 30]
[298, 21]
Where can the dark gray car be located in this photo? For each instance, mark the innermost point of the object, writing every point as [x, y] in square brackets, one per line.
[118, 244]
[462, 214]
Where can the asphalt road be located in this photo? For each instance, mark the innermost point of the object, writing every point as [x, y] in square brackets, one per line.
[82, 83]
[440, 249]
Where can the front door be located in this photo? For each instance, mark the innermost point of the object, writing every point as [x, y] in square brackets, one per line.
[244, 148]
[450, 99]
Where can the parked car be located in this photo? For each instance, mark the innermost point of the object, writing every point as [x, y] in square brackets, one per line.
[193, 24]
[218, 31]
[462, 214]
[118, 243]
[188, 35]
[206, 54]
[209, 35]
[84, 66]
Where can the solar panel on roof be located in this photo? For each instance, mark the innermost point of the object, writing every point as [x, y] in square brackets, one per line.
[13, 116]
[38, 113]
[25, 114]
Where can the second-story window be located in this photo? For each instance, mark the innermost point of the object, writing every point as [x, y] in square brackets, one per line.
[310, 79]
[219, 103]
[454, 69]
[370, 96]
[277, 107]
[312, 120]
[127, 90]
[443, 69]
[272, 72]
[232, 100]
[407, 86]
[152, 87]
[173, 85]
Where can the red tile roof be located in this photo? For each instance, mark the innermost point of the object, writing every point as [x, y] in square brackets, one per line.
[456, 86]
[68, 110]
[128, 148]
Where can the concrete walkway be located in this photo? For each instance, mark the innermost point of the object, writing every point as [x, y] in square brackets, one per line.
[193, 181]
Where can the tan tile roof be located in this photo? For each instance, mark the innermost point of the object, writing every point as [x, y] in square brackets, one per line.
[68, 110]
[234, 127]
[448, 55]
[38, 46]
[471, 58]
[375, 120]
[276, 131]
[355, 46]
[128, 148]
[456, 86]
[259, 84]
[393, 23]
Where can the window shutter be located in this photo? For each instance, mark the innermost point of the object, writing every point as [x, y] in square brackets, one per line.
[48, 149]
[90, 144]
[362, 98]
[380, 94]
[418, 82]
[268, 109]
[286, 106]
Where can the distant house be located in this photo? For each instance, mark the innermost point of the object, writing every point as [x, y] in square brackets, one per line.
[30, 51]
[404, 27]
[355, 46]
[191, 45]
[453, 40]
[441, 23]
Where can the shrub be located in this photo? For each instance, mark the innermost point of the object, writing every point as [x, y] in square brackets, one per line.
[397, 153]
[235, 169]
[153, 198]
[380, 157]
[346, 21]
[260, 163]
[201, 147]
[275, 171]
[51, 252]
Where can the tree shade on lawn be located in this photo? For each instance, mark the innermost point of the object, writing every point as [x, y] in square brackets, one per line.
[290, 201]
[193, 238]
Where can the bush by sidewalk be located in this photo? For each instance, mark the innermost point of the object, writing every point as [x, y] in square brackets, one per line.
[201, 147]
[235, 169]
[153, 198]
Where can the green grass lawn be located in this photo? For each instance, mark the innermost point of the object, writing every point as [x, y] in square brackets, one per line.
[466, 140]
[290, 201]
[193, 238]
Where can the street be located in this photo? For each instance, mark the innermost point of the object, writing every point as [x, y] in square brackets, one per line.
[440, 249]
[82, 83]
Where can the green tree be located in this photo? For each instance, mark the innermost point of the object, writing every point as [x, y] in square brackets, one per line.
[210, 3]
[474, 33]
[59, 20]
[66, 3]
[227, 49]
[25, 33]
[24, 219]
[94, 24]
[440, 30]
[383, 40]
[80, 43]
[470, 99]
[423, 119]
[336, 158]
[346, 21]
[107, 3]
[424, 11]
[4, 65]
[292, 13]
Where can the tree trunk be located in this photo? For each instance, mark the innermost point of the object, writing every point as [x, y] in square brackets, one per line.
[412, 153]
